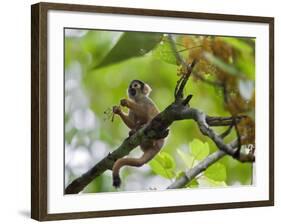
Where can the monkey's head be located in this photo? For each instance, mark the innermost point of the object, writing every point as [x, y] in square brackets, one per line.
[138, 89]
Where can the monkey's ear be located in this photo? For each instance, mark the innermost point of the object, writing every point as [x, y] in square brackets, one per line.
[146, 89]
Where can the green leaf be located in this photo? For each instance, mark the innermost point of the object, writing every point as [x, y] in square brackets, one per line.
[167, 160]
[238, 44]
[163, 164]
[98, 44]
[186, 158]
[164, 52]
[246, 64]
[160, 170]
[179, 174]
[244, 56]
[199, 149]
[130, 44]
[193, 184]
[216, 172]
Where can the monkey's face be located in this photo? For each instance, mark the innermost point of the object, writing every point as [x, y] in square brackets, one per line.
[137, 89]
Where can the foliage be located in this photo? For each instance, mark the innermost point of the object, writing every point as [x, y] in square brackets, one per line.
[100, 64]
[165, 166]
[138, 44]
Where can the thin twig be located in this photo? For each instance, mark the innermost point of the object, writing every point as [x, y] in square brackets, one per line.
[227, 132]
[187, 49]
[185, 77]
[179, 58]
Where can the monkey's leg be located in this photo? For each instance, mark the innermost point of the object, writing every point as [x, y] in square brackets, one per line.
[127, 120]
[147, 155]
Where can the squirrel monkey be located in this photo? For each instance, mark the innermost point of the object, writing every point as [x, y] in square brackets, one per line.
[141, 111]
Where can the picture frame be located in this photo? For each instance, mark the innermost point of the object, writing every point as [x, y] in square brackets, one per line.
[45, 193]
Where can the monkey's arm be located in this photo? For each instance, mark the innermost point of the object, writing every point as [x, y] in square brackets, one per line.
[139, 109]
[125, 118]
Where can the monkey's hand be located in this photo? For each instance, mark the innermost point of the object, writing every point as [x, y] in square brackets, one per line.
[124, 102]
[117, 110]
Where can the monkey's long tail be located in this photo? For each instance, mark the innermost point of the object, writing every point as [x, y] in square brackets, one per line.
[137, 162]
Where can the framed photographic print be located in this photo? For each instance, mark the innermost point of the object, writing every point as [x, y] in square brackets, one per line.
[139, 111]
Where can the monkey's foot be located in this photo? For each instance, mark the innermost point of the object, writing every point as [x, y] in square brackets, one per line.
[116, 181]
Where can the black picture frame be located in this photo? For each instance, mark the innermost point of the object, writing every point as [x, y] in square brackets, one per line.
[39, 109]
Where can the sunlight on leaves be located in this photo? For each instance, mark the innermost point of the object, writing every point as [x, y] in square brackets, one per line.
[164, 52]
[185, 157]
[193, 184]
[216, 172]
[163, 164]
[238, 44]
[130, 44]
[199, 149]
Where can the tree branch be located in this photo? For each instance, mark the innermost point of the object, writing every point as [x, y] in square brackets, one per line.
[158, 128]
[199, 168]
[189, 175]
[223, 121]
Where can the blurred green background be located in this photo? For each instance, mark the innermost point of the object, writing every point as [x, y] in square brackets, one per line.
[99, 65]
